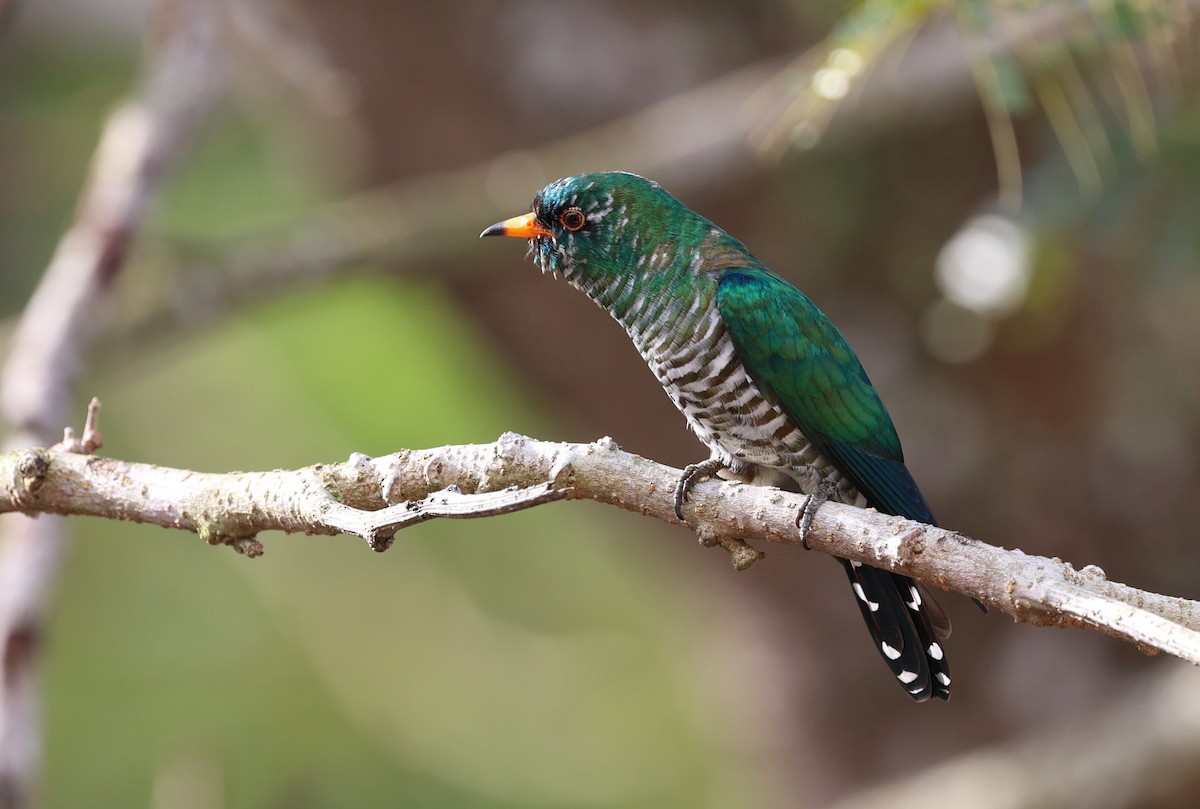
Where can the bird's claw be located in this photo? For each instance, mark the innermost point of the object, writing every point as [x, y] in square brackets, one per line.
[826, 489]
[691, 474]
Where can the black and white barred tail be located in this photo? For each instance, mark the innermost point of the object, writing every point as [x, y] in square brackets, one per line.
[907, 627]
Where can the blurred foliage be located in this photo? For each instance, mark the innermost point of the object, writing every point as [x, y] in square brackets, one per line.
[1092, 69]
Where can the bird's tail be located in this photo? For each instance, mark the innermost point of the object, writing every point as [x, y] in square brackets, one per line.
[906, 625]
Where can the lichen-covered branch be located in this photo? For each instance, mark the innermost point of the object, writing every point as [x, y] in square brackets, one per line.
[375, 497]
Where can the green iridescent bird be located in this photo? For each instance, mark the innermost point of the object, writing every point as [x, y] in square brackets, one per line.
[765, 380]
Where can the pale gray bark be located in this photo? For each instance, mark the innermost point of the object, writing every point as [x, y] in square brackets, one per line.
[373, 498]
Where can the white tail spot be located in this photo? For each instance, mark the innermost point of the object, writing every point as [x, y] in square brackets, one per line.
[915, 604]
[943, 678]
[935, 651]
[906, 677]
[890, 651]
[873, 606]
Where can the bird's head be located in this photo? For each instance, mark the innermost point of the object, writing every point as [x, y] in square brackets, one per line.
[605, 226]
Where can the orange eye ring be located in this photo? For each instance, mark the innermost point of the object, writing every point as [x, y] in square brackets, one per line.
[572, 219]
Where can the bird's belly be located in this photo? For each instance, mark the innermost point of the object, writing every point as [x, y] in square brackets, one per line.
[748, 431]
[757, 456]
[754, 438]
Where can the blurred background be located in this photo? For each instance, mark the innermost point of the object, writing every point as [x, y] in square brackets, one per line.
[996, 202]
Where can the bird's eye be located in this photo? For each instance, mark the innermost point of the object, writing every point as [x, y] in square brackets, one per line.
[572, 219]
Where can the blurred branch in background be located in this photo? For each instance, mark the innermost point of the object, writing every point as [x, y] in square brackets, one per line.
[688, 141]
[691, 139]
[1137, 751]
[284, 41]
[181, 82]
[375, 497]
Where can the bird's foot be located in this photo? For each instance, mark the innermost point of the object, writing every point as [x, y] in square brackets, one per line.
[692, 473]
[826, 489]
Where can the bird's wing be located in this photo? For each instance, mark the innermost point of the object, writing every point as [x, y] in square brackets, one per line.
[794, 353]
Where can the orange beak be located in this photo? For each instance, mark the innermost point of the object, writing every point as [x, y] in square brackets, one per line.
[523, 227]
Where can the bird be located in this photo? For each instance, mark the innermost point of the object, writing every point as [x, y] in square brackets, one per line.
[763, 378]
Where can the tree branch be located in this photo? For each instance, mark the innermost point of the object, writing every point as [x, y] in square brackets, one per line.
[373, 498]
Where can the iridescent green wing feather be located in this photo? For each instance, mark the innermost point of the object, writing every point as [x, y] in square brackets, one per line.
[795, 354]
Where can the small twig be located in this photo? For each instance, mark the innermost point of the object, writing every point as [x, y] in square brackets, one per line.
[741, 555]
[92, 440]
[379, 528]
[1103, 613]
